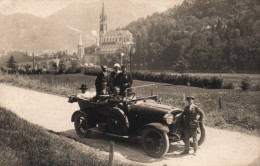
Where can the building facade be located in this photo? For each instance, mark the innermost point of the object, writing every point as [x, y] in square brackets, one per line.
[112, 45]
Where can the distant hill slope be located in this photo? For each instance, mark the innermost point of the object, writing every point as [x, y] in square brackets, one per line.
[25, 32]
[85, 17]
[60, 31]
[208, 34]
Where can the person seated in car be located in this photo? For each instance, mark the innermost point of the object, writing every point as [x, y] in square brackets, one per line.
[123, 80]
[113, 76]
[102, 81]
[116, 97]
[83, 95]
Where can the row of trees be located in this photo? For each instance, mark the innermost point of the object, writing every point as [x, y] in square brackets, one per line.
[204, 35]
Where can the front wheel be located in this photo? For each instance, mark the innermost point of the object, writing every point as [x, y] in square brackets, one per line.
[155, 142]
[81, 125]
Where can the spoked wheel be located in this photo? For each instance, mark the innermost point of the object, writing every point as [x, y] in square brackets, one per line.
[81, 125]
[118, 122]
[201, 134]
[155, 142]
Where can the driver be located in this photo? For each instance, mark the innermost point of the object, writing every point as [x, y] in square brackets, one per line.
[116, 97]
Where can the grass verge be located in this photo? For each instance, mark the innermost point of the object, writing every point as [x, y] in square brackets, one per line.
[240, 109]
[23, 143]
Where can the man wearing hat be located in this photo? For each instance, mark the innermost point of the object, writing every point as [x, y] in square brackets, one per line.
[191, 123]
[102, 81]
[123, 80]
[113, 76]
[83, 95]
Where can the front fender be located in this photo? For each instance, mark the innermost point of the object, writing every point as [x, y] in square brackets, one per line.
[75, 113]
[158, 126]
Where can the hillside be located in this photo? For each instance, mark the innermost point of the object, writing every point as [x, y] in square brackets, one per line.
[28, 144]
[60, 31]
[85, 17]
[209, 35]
[26, 32]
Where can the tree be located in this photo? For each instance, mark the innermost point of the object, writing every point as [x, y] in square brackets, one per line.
[27, 67]
[62, 66]
[181, 65]
[11, 63]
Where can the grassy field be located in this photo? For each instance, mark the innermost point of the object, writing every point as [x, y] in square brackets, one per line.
[23, 143]
[240, 109]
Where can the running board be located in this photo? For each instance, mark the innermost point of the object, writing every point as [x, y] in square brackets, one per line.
[95, 129]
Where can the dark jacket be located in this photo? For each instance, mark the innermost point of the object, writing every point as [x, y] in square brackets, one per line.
[113, 76]
[189, 114]
[101, 83]
[124, 81]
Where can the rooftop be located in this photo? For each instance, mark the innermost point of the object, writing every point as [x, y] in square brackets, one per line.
[117, 32]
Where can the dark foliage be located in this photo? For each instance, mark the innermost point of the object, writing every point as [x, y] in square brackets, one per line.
[210, 34]
[184, 79]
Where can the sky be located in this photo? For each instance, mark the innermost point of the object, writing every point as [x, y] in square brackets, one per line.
[44, 8]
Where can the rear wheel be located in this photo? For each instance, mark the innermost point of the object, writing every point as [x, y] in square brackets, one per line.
[155, 142]
[118, 122]
[81, 125]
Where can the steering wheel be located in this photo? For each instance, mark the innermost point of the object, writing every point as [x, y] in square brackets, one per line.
[131, 96]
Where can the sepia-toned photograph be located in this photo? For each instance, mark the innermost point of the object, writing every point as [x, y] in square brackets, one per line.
[130, 82]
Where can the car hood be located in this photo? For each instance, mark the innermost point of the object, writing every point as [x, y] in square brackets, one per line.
[151, 108]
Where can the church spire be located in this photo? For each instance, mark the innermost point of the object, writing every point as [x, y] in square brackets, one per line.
[80, 41]
[103, 18]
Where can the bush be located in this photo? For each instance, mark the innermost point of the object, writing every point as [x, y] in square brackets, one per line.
[245, 84]
[184, 79]
[228, 85]
[215, 83]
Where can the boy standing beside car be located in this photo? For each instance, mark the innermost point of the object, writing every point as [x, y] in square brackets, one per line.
[191, 123]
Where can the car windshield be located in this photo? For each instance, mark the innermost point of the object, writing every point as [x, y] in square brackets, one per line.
[143, 91]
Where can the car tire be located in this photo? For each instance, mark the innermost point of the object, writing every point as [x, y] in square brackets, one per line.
[117, 122]
[202, 133]
[155, 142]
[81, 125]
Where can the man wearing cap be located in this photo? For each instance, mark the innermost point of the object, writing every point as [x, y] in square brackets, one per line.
[102, 81]
[83, 95]
[123, 80]
[191, 123]
[113, 76]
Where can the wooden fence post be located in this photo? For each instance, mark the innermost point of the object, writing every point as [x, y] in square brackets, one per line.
[51, 79]
[111, 154]
[220, 103]
[67, 81]
[184, 99]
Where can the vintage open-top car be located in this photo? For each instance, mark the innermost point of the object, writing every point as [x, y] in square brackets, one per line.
[157, 124]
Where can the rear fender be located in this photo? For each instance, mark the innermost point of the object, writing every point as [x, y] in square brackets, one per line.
[158, 126]
[75, 113]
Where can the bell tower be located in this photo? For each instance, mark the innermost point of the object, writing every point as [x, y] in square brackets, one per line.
[103, 21]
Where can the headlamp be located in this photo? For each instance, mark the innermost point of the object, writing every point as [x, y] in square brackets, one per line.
[168, 118]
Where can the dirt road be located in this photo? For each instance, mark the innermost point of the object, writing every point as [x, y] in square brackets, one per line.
[54, 112]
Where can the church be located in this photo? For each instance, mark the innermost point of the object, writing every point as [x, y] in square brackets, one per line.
[114, 45]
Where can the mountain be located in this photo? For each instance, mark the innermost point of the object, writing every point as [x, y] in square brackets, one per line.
[44, 8]
[60, 31]
[39, 8]
[25, 32]
[85, 16]
[216, 35]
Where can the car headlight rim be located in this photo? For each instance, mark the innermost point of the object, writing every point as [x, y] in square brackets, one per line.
[168, 118]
